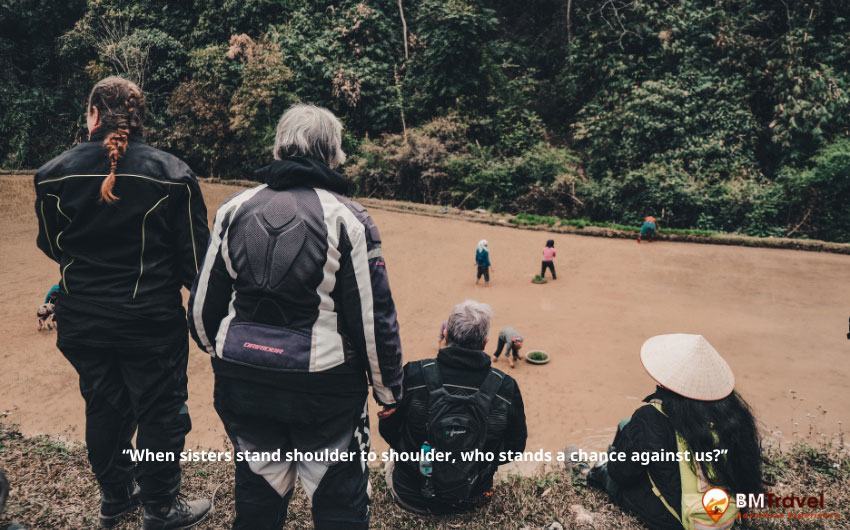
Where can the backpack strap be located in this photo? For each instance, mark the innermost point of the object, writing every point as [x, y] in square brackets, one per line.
[661, 498]
[656, 404]
[489, 388]
[431, 374]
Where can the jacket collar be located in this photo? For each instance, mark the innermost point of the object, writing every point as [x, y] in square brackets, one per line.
[296, 171]
[463, 358]
[100, 133]
[658, 394]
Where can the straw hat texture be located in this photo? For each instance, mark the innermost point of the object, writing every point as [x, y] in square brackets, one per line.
[688, 365]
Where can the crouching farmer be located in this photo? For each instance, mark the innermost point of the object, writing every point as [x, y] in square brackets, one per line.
[510, 338]
[694, 410]
[455, 403]
[294, 305]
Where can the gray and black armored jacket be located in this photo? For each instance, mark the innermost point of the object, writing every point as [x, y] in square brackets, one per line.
[294, 281]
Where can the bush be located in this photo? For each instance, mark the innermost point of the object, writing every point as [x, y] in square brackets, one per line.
[816, 197]
[223, 119]
[412, 166]
[434, 163]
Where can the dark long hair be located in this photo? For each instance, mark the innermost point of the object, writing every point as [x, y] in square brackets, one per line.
[121, 109]
[732, 421]
[550, 243]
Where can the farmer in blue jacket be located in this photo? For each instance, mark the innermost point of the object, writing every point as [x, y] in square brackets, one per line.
[482, 260]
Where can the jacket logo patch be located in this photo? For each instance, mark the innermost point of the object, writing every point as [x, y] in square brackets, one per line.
[261, 347]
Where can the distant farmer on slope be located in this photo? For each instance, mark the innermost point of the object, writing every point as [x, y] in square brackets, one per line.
[482, 262]
[548, 259]
[648, 229]
[511, 339]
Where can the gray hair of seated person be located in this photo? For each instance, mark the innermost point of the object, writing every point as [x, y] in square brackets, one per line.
[309, 131]
[469, 324]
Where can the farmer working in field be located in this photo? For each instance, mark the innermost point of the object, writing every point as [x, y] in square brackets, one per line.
[693, 410]
[293, 303]
[482, 262]
[548, 259]
[46, 311]
[444, 329]
[127, 225]
[454, 403]
[510, 338]
[648, 229]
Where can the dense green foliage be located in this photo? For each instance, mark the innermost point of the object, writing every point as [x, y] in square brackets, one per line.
[709, 114]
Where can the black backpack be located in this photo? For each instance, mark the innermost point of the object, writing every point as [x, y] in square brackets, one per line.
[458, 424]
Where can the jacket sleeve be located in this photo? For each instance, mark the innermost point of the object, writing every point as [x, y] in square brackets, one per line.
[192, 233]
[392, 426]
[372, 322]
[212, 290]
[47, 212]
[517, 431]
[637, 436]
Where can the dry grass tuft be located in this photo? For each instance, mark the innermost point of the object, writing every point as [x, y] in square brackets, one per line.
[52, 487]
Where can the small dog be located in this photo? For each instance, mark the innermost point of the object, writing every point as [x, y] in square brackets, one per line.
[45, 317]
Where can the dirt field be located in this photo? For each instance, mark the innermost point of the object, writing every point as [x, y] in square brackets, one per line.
[779, 317]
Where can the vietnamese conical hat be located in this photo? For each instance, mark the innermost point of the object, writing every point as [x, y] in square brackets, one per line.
[688, 365]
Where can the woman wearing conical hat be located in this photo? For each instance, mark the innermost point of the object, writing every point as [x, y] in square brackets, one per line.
[694, 410]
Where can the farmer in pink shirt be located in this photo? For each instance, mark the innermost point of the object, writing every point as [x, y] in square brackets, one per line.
[548, 259]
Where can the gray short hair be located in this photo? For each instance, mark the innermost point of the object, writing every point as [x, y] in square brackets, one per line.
[469, 324]
[308, 130]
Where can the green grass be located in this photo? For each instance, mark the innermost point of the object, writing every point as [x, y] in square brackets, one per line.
[529, 219]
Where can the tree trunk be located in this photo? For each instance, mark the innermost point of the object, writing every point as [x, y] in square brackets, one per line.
[404, 28]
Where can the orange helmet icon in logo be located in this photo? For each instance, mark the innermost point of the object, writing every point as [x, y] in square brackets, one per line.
[716, 502]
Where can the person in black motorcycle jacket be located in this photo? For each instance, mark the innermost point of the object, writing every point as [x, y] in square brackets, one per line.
[293, 304]
[127, 225]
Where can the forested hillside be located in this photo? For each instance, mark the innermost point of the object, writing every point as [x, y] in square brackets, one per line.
[714, 114]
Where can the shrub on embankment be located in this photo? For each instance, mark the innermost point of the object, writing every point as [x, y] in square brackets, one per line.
[52, 487]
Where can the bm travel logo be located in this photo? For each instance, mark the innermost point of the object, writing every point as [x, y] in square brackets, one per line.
[716, 502]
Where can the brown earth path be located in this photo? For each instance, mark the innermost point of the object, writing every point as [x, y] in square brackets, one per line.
[778, 316]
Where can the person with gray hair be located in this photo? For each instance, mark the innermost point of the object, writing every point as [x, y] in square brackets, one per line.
[456, 402]
[294, 306]
[469, 324]
[311, 131]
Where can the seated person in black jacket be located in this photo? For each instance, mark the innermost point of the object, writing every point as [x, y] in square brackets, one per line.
[695, 399]
[460, 369]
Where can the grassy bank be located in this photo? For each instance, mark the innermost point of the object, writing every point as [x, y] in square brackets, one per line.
[528, 219]
[581, 226]
[52, 487]
[586, 227]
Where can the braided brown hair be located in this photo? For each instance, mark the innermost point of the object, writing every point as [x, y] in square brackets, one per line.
[121, 108]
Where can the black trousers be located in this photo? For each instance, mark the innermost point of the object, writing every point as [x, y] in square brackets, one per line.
[548, 265]
[511, 351]
[483, 271]
[265, 418]
[138, 391]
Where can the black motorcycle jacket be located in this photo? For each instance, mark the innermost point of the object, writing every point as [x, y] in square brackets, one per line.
[121, 264]
[294, 282]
